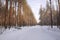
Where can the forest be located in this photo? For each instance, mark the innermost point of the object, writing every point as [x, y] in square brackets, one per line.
[19, 13]
[29, 19]
[51, 14]
[16, 13]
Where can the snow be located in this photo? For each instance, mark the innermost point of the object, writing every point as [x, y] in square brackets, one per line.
[31, 33]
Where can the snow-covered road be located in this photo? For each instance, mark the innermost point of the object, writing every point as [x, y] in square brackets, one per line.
[31, 33]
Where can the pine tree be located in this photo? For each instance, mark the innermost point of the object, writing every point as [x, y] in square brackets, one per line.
[10, 14]
[58, 20]
[20, 17]
[28, 14]
[45, 14]
[0, 12]
[40, 13]
[51, 14]
[6, 13]
[0, 4]
[15, 12]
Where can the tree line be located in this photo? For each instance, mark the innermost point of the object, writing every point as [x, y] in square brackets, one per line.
[50, 15]
[16, 13]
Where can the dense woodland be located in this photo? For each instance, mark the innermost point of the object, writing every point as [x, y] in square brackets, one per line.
[50, 15]
[19, 13]
[16, 13]
[45, 15]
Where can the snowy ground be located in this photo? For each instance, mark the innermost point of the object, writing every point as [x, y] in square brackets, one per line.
[31, 33]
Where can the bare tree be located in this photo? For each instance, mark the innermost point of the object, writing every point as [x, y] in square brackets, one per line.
[0, 12]
[19, 12]
[15, 12]
[6, 13]
[51, 15]
[0, 3]
[58, 18]
[10, 14]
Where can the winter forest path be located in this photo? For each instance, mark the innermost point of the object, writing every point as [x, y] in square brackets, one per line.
[31, 33]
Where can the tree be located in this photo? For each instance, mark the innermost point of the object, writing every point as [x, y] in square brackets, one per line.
[25, 17]
[41, 15]
[28, 14]
[15, 11]
[0, 10]
[19, 16]
[45, 15]
[6, 13]
[58, 18]
[51, 15]
[0, 4]
[10, 14]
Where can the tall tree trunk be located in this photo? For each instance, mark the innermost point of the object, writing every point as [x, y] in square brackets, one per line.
[57, 12]
[6, 13]
[0, 3]
[19, 12]
[10, 15]
[58, 15]
[15, 14]
[0, 13]
[51, 15]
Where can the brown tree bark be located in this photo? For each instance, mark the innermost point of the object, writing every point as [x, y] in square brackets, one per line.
[19, 13]
[6, 13]
[15, 22]
[51, 15]
[58, 18]
[10, 14]
[0, 3]
[0, 12]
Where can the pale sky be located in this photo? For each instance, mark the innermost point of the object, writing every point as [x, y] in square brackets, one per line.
[35, 6]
